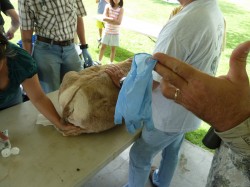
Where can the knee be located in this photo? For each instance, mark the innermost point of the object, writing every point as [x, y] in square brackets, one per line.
[103, 47]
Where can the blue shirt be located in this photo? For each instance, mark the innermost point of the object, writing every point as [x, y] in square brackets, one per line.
[101, 6]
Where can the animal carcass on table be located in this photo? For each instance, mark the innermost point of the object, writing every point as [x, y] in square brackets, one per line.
[87, 98]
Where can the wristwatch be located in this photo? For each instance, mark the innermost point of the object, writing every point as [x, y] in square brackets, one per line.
[121, 81]
[84, 46]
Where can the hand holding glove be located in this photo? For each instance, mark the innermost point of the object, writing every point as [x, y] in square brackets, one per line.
[135, 97]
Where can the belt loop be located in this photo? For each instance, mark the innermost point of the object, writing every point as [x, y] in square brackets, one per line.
[52, 41]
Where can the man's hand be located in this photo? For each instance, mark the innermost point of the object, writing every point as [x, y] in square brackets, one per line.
[115, 73]
[222, 102]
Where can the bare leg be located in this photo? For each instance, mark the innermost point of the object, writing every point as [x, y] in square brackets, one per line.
[102, 50]
[112, 54]
[100, 33]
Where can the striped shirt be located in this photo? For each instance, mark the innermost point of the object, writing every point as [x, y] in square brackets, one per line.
[111, 28]
[54, 19]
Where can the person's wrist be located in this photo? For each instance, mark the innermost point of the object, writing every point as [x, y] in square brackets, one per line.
[84, 46]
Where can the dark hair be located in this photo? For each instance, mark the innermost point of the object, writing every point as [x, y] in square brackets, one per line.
[5, 51]
[113, 4]
[3, 44]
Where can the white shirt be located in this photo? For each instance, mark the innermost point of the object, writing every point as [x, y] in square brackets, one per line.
[195, 36]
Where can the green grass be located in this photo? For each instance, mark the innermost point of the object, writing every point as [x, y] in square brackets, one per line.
[237, 16]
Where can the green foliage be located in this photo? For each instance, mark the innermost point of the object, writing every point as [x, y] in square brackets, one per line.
[196, 136]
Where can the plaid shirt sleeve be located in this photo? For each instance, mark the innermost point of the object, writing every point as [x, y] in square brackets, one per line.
[80, 8]
[26, 15]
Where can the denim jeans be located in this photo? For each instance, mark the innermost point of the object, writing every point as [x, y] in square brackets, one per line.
[145, 149]
[54, 62]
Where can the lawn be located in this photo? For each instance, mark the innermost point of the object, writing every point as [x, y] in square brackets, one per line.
[236, 13]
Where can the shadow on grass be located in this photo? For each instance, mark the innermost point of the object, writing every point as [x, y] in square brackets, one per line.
[121, 54]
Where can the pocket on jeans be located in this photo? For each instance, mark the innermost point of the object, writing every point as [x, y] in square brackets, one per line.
[42, 45]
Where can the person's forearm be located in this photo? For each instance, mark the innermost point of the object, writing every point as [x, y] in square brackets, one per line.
[27, 40]
[46, 107]
[111, 20]
[14, 20]
[81, 30]
[14, 27]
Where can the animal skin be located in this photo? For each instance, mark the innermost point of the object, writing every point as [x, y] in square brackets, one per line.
[87, 98]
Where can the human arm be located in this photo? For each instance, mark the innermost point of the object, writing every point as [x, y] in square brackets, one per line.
[14, 23]
[222, 102]
[26, 36]
[84, 47]
[115, 73]
[111, 20]
[45, 106]
[81, 30]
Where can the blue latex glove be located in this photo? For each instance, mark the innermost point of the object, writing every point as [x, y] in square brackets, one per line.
[135, 96]
[87, 58]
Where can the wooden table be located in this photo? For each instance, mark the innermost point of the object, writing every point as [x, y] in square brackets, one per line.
[47, 158]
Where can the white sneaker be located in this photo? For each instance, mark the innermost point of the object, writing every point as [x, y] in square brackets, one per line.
[97, 63]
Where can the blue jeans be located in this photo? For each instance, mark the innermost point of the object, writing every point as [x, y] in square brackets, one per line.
[145, 149]
[54, 62]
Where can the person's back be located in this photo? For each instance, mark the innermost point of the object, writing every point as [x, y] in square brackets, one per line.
[194, 35]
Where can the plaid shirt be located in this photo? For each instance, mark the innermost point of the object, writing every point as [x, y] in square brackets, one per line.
[54, 19]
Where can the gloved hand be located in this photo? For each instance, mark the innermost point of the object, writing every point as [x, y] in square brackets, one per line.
[86, 56]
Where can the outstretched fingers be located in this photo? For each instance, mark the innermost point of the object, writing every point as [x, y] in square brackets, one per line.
[170, 70]
[182, 69]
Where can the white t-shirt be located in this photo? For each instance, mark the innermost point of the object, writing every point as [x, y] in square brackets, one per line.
[195, 36]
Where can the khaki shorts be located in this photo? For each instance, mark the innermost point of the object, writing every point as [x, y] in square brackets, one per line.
[238, 138]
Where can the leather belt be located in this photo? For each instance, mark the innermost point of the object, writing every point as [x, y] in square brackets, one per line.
[52, 42]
